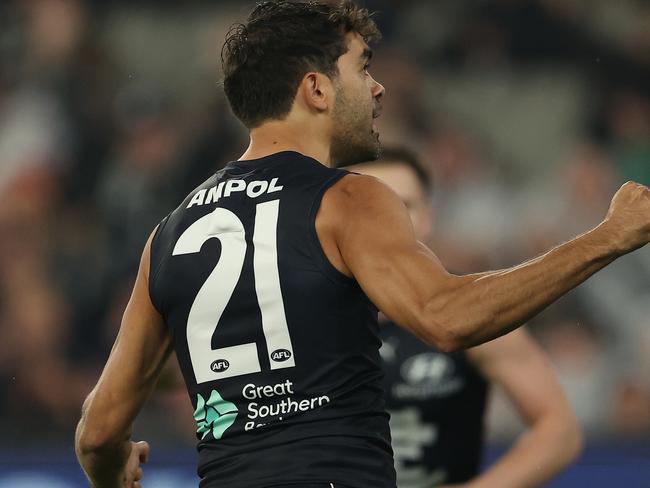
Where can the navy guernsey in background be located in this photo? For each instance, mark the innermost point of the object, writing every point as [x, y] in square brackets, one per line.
[437, 404]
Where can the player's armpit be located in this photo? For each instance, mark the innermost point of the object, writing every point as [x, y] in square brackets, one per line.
[140, 350]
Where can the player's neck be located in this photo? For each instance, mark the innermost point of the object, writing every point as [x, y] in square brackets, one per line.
[274, 137]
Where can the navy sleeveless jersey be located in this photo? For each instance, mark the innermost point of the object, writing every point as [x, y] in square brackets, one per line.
[279, 350]
[436, 402]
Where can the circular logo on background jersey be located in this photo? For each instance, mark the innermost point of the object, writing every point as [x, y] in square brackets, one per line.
[280, 355]
[220, 365]
[429, 368]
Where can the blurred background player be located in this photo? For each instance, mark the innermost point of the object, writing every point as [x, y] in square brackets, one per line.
[437, 401]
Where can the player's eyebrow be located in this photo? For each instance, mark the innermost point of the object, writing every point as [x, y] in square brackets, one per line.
[366, 55]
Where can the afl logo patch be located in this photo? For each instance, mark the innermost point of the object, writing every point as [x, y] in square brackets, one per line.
[220, 365]
[280, 355]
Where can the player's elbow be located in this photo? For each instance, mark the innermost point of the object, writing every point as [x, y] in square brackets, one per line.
[443, 341]
[94, 435]
[445, 330]
[564, 433]
[441, 334]
[450, 322]
[572, 439]
[91, 440]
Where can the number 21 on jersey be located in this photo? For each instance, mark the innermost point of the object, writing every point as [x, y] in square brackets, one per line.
[215, 364]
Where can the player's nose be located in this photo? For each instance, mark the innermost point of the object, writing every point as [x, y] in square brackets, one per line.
[377, 89]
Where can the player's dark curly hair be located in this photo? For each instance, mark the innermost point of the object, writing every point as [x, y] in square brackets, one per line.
[265, 59]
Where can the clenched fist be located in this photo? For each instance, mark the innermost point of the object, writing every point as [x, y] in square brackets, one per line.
[628, 218]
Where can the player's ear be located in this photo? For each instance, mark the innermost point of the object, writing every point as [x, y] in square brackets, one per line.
[316, 92]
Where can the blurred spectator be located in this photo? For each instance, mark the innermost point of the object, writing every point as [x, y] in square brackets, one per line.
[110, 113]
[140, 184]
[630, 131]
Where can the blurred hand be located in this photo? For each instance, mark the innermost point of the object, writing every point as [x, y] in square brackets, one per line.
[628, 217]
[133, 472]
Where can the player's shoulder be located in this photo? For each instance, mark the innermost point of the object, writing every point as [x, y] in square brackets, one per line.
[354, 192]
[355, 183]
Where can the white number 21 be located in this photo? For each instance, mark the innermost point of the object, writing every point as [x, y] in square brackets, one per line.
[215, 364]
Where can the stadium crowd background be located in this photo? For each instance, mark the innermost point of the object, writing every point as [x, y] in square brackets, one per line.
[528, 113]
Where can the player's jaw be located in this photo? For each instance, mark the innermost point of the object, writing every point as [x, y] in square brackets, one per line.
[375, 114]
[355, 137]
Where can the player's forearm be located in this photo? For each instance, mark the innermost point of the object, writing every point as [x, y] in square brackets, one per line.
[478, 308]
[102, 457]
[541, 454]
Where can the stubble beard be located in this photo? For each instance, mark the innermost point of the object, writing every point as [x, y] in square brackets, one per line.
[352, 140]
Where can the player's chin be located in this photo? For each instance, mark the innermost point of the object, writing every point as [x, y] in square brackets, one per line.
[376, 143]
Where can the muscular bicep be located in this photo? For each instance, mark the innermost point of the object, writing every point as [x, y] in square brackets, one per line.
[377, 243]
[138, 354]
